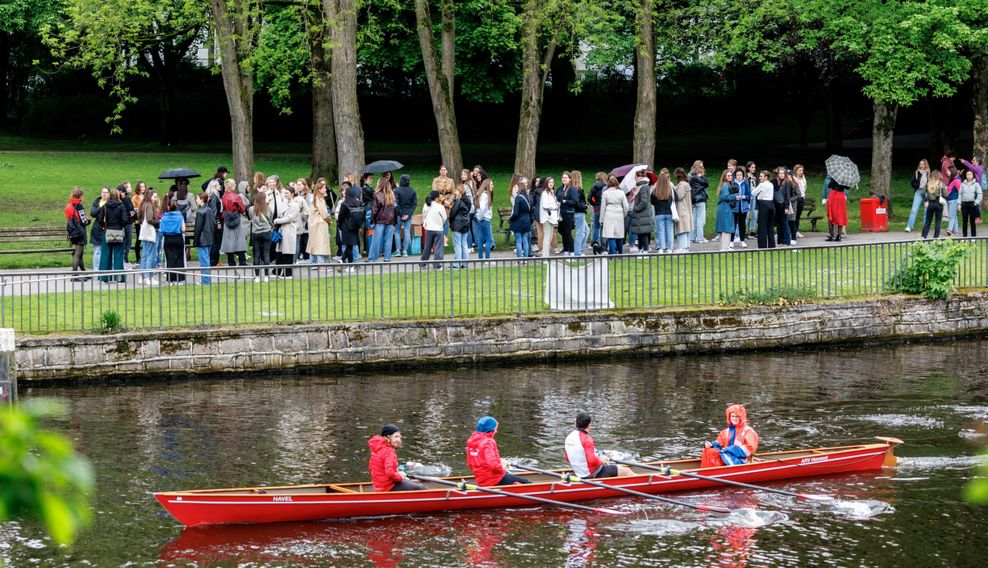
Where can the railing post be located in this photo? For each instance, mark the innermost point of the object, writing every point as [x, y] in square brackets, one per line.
[8, 370]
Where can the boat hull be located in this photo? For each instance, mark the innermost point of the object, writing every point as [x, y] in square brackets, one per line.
[319, 502]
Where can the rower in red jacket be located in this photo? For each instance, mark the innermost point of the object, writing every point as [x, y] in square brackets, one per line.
[582, 455]
[383, 466]
[483, 458]
[735, 445]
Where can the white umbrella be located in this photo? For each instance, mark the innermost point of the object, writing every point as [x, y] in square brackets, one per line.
[628, 183]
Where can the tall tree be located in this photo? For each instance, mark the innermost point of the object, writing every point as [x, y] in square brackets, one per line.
[20, 24]
[439, 69]
[349, 130]
[236, 23]
[324, 159]
[644, 135]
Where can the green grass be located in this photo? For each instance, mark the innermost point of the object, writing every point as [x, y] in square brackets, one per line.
[403, 292]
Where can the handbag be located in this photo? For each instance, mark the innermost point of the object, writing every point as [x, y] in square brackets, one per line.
[114, 236]
[148, 233]
[275, 236]
[943, 201]
[675, 213]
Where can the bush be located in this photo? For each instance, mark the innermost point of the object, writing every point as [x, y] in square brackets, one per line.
[932, 270]
[775, 296]
[110, 322]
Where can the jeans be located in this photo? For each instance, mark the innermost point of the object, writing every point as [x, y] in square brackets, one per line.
[367, 225]
[663, 232]
[682, 242]
[595, 221]
[204, 262]
[112, 258]
[523, 244]
[484, 234]
[752, 220]
[613, 245]
[97, 255]
[384, 236]
[782, 225]
[917, 203]
[349, 254]
[461, 244]
[582, 231]
[952, 215]
[403, 235]
[149, 258]
[699, 220]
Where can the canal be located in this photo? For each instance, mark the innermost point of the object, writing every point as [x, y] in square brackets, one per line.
[292, 430]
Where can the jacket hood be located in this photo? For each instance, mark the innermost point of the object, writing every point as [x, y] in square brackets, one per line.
[377, 443]
[404, 180]
[742, 414]
[113, 204]
[476, 437]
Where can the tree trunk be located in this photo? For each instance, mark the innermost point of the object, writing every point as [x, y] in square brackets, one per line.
[980, 103]
[346, 111]
[534, 73]
[448, 43]
[238, 83]
[644, 136]
[440, 87]
[4, 77]
[835, 136]
[881, 151]
[324, 164]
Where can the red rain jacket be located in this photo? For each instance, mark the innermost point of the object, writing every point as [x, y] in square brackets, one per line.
[483, 458]
[383, 464]
[746, 437]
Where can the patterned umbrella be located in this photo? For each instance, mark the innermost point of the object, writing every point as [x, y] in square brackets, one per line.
[843, 170]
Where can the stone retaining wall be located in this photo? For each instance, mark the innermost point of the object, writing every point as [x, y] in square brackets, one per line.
[181, 353]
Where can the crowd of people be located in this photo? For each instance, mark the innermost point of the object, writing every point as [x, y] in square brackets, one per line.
[644, 211]
[736, 444]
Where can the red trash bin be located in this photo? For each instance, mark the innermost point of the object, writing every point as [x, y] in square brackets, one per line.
[874, 215]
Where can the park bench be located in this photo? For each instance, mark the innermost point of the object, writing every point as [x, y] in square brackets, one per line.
[809, 206]
[34, 240]
[504, 223]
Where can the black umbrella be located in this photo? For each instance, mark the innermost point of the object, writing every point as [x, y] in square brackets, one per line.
[381, 166]
[176, 173]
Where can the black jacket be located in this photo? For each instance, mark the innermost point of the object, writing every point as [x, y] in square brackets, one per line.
[114, 215]
[459, 215]
[405, 199]
[521, 215]
[96, 233]
[205, 231]
[596, 191]
[567, 198]
[698, 188]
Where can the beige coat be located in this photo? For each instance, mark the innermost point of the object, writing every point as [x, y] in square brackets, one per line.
[613, 208]
[318, 228]
[684, 206]
[287, 224]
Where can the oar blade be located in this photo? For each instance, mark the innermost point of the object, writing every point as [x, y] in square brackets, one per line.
[714, 509]
[809, 497]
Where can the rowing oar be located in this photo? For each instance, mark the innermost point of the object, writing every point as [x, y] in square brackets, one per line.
[666, 470]
[570, 478]
[464, 486]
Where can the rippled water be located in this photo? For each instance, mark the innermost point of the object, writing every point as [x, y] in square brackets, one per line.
[265, 431]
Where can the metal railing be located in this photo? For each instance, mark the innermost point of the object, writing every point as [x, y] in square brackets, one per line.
[247, 295]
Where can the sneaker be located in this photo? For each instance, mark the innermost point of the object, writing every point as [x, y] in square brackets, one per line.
[633, 249]
[258, 279]
[799, 235]
[154, 281]
[266, 279]
[908, 230]
[793, 243]
[731, 245]
[744, 244]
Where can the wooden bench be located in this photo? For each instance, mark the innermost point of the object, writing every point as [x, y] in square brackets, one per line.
[504, 223]
[809, 206]
[48, 239]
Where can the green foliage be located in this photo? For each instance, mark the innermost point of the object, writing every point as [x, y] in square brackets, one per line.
[932, 270]
[41, 476]
[976, 491]
[281, 59]
[775, 296]
[109, 322]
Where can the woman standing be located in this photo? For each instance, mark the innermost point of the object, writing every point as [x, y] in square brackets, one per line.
[204, 234]
[483, 233]
[235, 231]
[836, 210]
[148, 236]
[172, 229]
[261, 227]
[920, 178]
[521, 218]
[684, 211]
[349, 220]
[97, 234]
[139, 190]
[596, 191]
[406, 201]
[741, 208]
[661, 197]
[751, 176]
[384, 216]
[304, 197]
[287, 224]
[642, 213]
[781, 196]
[459, 225]
[953, 193]
[75, 225]
[970, 198]
[613, 209]
[434, 218]
[548, 216]
[798, 181]
[698, 193]
[567, 197]
[114, 218]
[727, 198]
[580, 214]
[318, 243]
[935, 197]
[764, 194]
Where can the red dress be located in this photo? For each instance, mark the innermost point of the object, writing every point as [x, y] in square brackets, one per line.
[837, 208]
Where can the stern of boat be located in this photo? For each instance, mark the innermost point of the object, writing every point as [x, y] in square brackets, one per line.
[890, 459]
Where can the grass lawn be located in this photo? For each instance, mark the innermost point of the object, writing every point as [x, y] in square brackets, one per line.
[34, 185]
[401, 291]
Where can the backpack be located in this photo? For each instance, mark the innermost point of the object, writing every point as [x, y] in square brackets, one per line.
[355, 220]
[231, 219]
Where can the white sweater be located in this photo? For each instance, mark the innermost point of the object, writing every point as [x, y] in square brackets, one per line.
[434, 216]
[765, 191]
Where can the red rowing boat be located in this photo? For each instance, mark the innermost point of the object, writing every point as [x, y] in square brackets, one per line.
[335, 501]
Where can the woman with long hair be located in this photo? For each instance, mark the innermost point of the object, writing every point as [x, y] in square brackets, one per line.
[921, 178]
[75, 225]
[741, 207]
[459, 225]
[483, 234]
[934, 196]
[287, 224]
[317, 246]
[683, 227]
[233, 207]
[836, 210]
[434, 220]
[970, 198]
[580, 214]
[642, 213]
[596, 191]
[114, 219]
[172, 228]
[567, 198]
[698, 195]
[726, 198]
[661, 198]
[136, 201]
[261, 227]
[782, 191]
[764, 195]
[147, 236]
[384, 216]
[205, 233]
[751, 176]
[521, 218]
[96, 234]
[613, 210]
[548, 216]
[350, 220]
[304, 197]
[798, 180]
[953, 183]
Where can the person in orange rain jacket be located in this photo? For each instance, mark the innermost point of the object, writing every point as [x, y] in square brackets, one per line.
[735, 444]
[383, 466]
[483, 458]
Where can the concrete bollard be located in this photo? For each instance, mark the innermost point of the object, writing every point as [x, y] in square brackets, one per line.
[8, 375]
